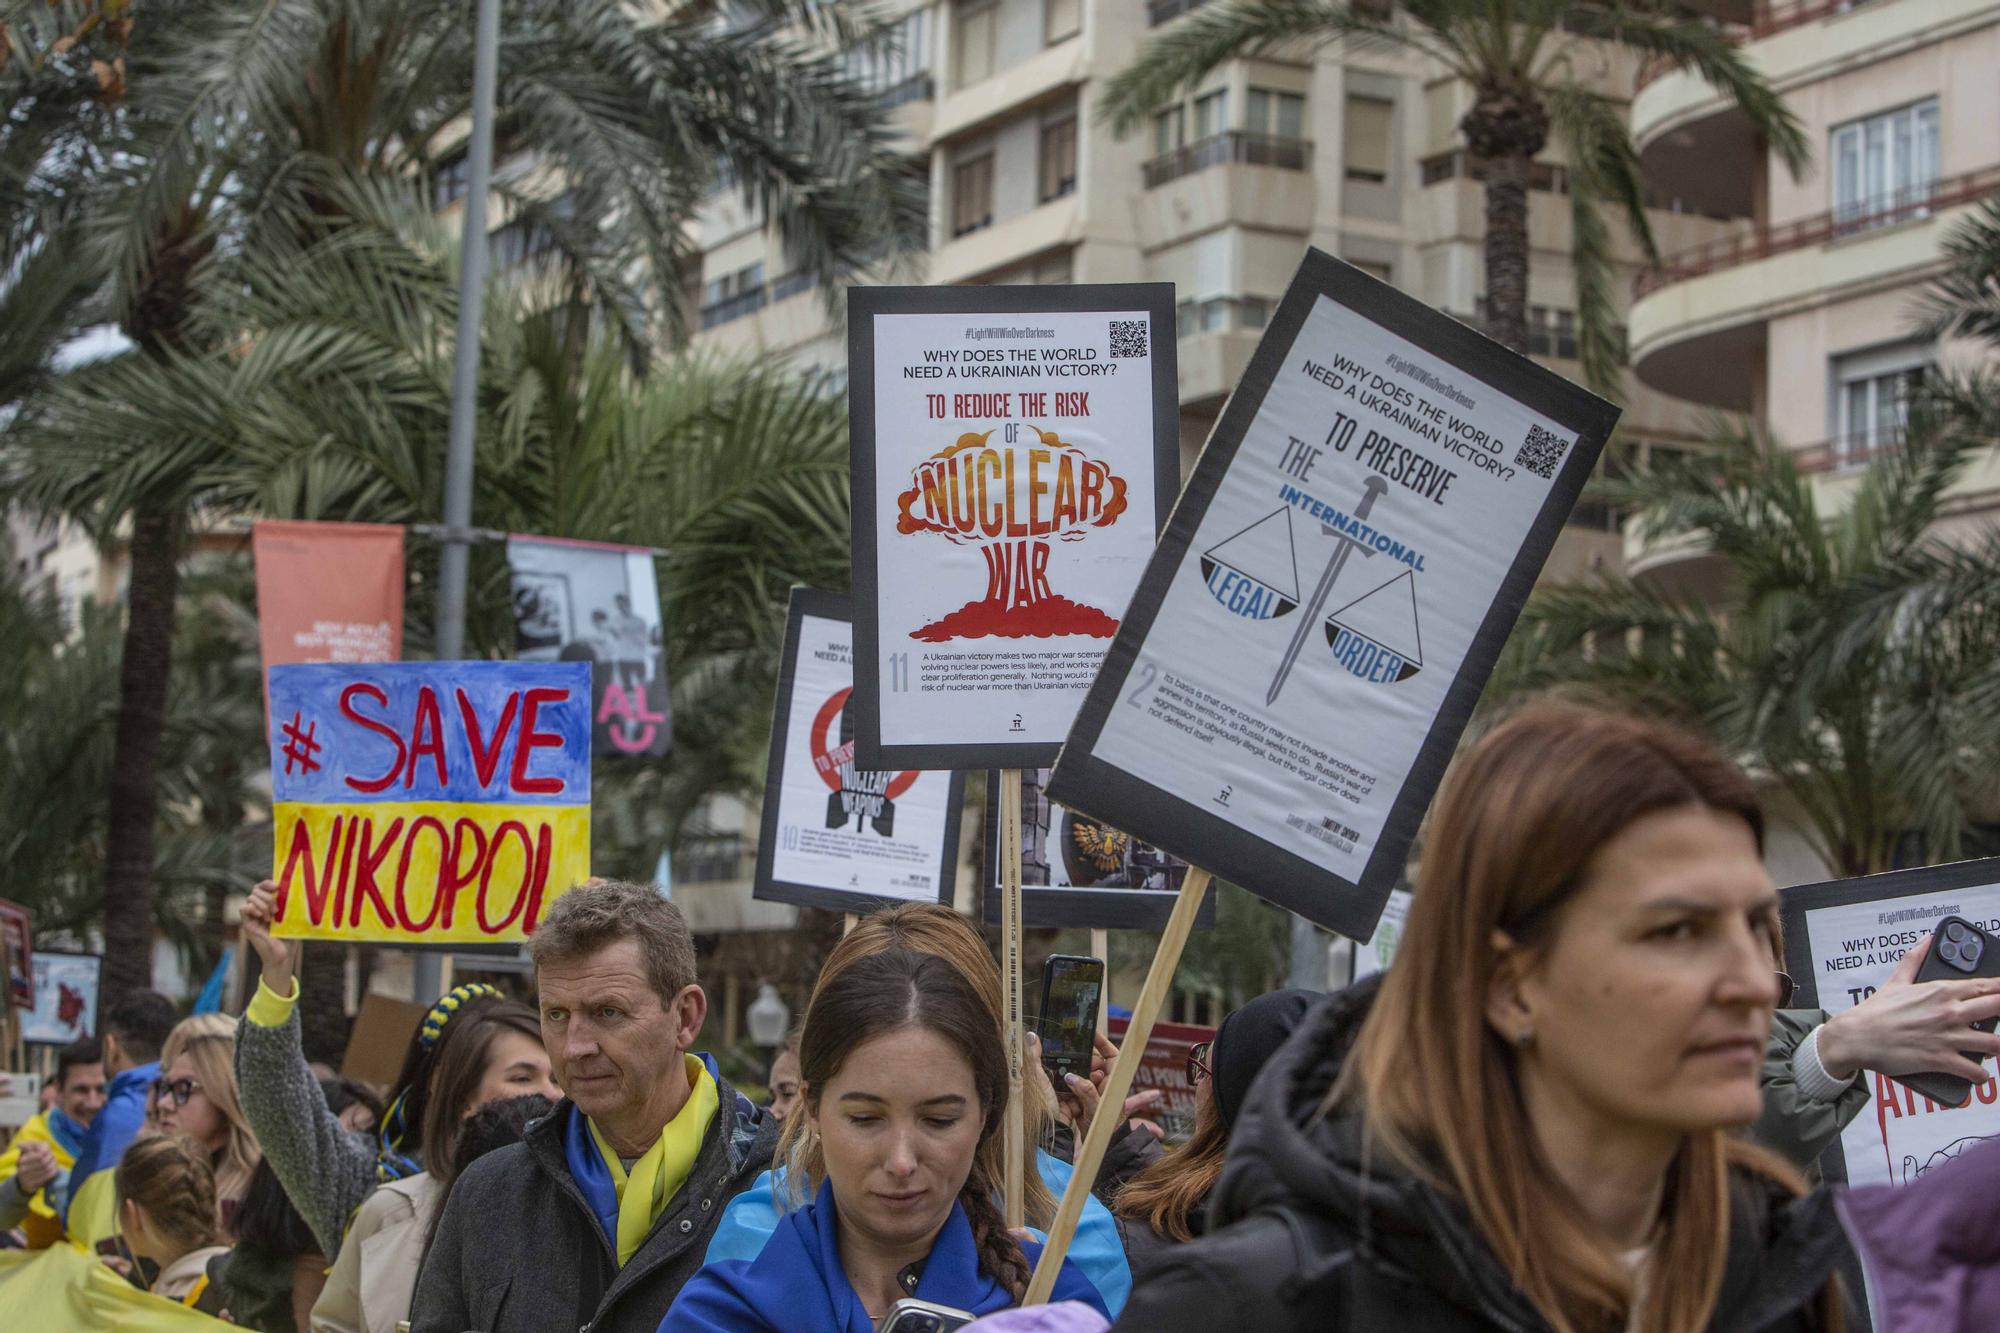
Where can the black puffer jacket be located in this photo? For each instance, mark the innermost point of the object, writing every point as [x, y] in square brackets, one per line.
[1305, 1235]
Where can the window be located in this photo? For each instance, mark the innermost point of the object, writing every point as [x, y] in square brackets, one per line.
[1367, 138]
[1871, 399]
[1061, 20]
[1058, 161]
[453, 179]
[975, 27]
[1169, 130]
[732, 285]
[1211, 114]
[895, 64]
[1280, 115]
[972, 194]
[1885, 165]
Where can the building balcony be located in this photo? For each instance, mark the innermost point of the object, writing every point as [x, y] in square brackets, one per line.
[733, 308]
[917, 88]
[1697, 322]
[984, 249]
[1257, 150]
[1030, 83]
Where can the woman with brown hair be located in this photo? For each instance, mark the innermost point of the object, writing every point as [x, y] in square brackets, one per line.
[906, 1088]
[167, 1214]
[1527, 1124]
[196, 1097]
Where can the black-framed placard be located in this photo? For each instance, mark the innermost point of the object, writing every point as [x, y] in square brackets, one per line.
[1842, 940]
[1330, 595]
[834, 834]
[1079, 874]
[1015, 452]
[66, 994]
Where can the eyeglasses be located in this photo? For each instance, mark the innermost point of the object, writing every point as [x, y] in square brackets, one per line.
[178, 1091]
[1787, 988]
[1197, 1064]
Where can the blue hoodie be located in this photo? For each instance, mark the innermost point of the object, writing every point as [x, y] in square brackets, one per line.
[797, 1284]
[111, 1131]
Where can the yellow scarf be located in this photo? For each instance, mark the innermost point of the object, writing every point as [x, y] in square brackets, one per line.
[663, 1168]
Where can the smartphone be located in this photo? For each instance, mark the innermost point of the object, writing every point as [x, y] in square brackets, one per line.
[1071, 985]
[1959, 951]
[911, 1315]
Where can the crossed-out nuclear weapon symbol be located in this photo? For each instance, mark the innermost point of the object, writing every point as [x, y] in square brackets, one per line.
[1370, 488]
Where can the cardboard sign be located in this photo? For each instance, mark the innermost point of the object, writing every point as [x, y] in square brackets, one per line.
[1380, 950]
[17, 946]
[380, 1038]
[66, 991]
[1015, 450]
[1331, 593]
[428, 802]
[834, 834]
[1078, 874]
[1164, 1068]
[577, 601]
[1842, 940]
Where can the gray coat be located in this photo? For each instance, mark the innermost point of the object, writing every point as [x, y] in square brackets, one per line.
[1792, 1123]
[518, 1249]
[326, 1169]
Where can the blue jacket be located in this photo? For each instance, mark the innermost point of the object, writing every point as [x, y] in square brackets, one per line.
[111, 1130]
[1096, 1249]
[797, 1284]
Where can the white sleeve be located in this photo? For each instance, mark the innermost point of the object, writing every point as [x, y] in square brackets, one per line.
[1810, 1076]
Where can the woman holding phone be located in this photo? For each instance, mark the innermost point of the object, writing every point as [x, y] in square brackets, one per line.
[1527, 1123]
[898, 1145]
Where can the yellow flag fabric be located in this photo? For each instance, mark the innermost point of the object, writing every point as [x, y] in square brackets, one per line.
[93, 1207]
[42, 1227]
[659, 1174]
[64, 1288]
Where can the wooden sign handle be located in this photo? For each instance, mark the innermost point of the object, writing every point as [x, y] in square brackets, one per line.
[1013, 1188]
[1159, 978]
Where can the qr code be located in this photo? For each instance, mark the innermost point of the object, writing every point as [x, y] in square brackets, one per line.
[1541, 452]
[1128, 337]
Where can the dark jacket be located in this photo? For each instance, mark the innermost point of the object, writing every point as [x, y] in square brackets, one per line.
[1305, 1234]
[1793, 1124]
[518, 1249]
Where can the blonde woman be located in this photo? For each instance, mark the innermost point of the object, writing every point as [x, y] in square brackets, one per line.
[196, 1097]
[167, 1213]
[1528, 1123]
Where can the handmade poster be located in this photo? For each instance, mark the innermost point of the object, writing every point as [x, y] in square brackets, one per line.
[1842, 940]
[577, 601]
[329, 592]
[17, 943]
[428, 802]
[1164, 1068]
[1015, 451]
[1077, 873]
[66, 988]
[1380, 949]
[834, 834]
[1337, 580]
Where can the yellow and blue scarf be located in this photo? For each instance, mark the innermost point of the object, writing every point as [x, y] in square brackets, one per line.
[628, 1204]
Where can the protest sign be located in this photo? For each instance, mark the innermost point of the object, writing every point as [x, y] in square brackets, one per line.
[1075, 872]
[328, 592]
[17, 944]
[834, 834]
[1163, 1068]
[428, 802]
[1330, 595]
[66, 989]
[1015, 450]
[1380, 949]
[578, 601]
[1842, 940]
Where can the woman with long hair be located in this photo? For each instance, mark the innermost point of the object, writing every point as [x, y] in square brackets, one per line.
[1528, 1123]
[196, 1096]
[929, 928]
[1166, 1203]
[906, 1088]
[495, 1053]
[167, 1214]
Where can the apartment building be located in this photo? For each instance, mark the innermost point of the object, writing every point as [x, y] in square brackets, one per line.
[1800, 314]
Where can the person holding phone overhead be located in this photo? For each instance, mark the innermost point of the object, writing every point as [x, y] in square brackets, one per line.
[898, 1143]
[1527, 1122]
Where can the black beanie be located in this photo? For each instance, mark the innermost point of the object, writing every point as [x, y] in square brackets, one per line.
[1247, 1038]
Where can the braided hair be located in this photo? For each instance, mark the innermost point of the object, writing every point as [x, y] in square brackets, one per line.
[888, 992]
[401, 1149]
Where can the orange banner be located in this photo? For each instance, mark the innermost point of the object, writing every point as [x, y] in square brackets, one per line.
[329, 592]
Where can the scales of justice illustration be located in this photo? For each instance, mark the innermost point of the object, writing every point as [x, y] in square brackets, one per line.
[1375, 635]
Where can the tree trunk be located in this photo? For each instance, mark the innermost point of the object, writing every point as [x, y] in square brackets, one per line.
[1504, 130]
[323, 1021]
[153, 583]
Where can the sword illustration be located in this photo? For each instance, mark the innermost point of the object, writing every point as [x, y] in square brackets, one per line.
[1371, 488]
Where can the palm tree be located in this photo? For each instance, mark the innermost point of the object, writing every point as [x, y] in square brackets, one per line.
[1851, 662]
[1526, 62]
[192, 143]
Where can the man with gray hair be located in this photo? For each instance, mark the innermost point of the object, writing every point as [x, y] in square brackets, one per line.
[599, 1215]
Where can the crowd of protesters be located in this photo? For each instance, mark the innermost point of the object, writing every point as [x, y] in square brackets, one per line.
[1575, 1102]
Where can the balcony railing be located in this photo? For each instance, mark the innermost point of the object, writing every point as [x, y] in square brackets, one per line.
[1163, 11]
[733, 308]
[792, 284]
[1766, 17]
[916, 88]
[1257, 150]
[1916, 201]
[1849, 452]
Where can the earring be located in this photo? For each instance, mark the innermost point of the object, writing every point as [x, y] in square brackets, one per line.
[1524, 1039]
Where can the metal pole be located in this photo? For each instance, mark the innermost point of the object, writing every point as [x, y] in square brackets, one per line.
[455, 542]
[1309, 963]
